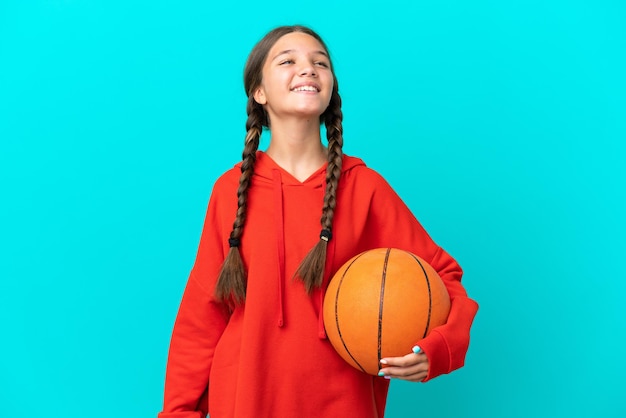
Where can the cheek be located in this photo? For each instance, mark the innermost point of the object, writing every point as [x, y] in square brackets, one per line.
[283, 79]
[276, 83]
[330, 82]
[330, 93]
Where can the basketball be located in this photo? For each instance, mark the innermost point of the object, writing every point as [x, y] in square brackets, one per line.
[380, 304]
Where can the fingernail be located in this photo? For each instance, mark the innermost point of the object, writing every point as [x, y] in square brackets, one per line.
[388, 377]
[381, 373]
[417, 349]
[383, 361]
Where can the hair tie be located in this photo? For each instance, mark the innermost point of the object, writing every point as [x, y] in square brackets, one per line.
[326, 235]
[233, 242]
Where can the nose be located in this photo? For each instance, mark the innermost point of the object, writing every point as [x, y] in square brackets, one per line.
[308, 69]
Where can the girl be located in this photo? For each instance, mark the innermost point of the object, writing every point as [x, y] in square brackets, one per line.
[249, 339]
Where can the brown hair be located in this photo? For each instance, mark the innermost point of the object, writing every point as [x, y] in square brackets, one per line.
[231, 283]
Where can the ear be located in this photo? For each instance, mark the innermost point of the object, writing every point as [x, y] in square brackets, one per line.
[259, 96]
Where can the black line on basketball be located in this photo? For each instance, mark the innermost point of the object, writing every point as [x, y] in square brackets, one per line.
[380, 306]
[430, 296]
[337, 316]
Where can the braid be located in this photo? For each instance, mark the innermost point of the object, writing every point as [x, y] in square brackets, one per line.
[334, 134]
[311, 270]
[231, 282]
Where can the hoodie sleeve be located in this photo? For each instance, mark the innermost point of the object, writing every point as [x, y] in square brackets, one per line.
[393, 225]
[198, 327]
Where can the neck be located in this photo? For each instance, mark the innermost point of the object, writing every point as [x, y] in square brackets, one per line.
[297, 147]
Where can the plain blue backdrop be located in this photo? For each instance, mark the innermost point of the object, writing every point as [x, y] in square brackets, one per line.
[501, 124]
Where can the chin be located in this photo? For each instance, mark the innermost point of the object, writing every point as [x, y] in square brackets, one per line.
[310, 112]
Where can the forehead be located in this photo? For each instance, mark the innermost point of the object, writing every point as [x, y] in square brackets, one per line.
[297, 42]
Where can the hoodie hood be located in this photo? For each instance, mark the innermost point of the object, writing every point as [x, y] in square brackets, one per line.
[265, 166]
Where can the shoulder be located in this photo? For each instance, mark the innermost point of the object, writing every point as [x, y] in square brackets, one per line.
[225, 187]
[228, 178]
[356, 172]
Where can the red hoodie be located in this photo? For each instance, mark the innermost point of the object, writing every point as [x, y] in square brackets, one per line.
[270, 357]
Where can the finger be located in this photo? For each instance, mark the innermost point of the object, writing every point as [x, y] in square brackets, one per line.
[417, 377]
[416, 350]
[396, 371]
[405, 361]
[413, 373]
[412, 367]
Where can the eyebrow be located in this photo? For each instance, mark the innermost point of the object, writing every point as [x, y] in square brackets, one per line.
[288, 51]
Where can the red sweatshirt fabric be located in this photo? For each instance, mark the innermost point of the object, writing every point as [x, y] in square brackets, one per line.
[270, 357]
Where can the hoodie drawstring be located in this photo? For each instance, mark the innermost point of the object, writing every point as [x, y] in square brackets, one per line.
[280, 234]
[280, 240]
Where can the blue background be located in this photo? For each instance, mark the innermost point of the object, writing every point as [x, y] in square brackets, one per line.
[501, 124]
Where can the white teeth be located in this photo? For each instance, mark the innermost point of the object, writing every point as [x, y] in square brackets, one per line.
[305, 88]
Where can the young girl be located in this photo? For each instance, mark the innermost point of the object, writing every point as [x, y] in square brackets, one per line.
[249, 338]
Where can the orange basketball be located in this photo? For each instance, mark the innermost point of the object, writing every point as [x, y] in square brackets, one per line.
[380, 303]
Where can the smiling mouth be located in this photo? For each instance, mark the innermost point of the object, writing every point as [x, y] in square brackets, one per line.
[306, 88]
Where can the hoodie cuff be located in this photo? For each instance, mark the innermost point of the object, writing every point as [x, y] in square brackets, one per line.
[446, 345]
[438, 354]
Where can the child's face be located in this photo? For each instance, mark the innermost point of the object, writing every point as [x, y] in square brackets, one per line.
[297, 79]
